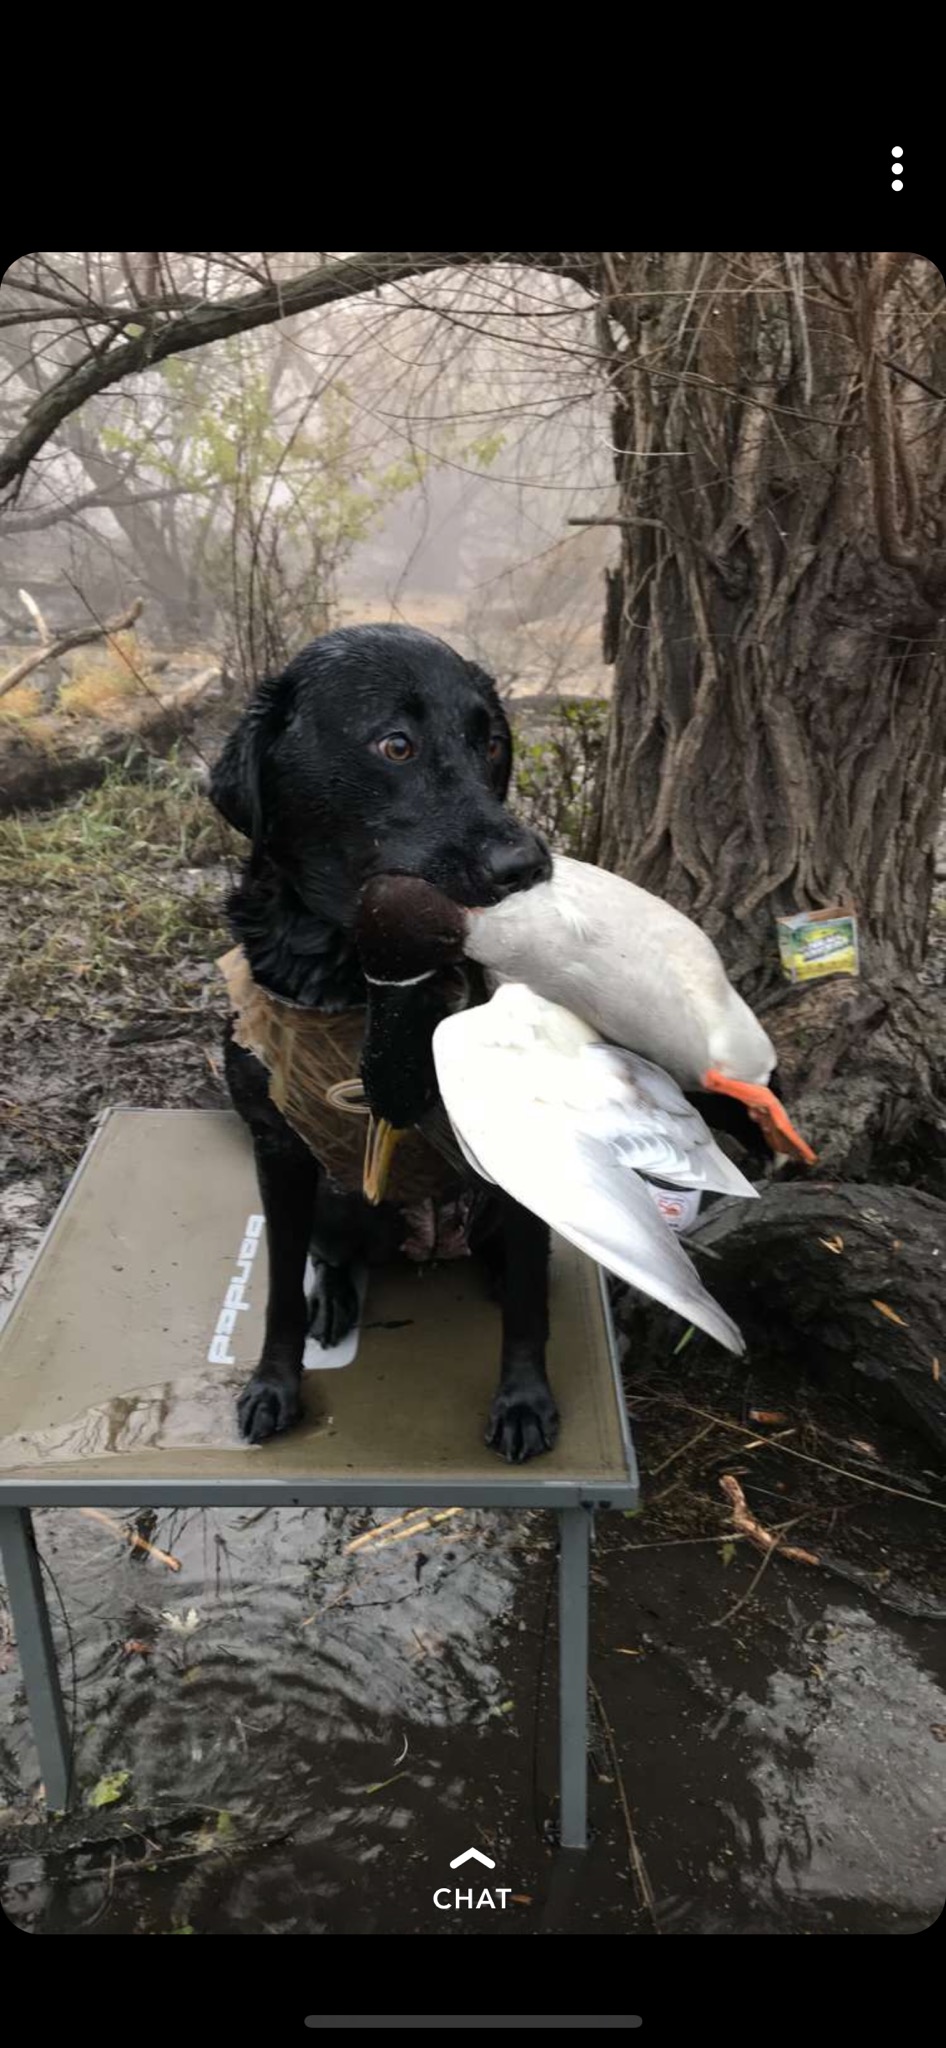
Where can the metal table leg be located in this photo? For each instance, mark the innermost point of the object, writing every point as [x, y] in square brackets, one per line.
[573, 1567]
[37, 1653]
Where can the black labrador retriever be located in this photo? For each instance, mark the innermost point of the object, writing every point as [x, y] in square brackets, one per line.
[378, 750]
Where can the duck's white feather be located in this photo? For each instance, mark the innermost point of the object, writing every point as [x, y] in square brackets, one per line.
[637, 969]
[566, 1125]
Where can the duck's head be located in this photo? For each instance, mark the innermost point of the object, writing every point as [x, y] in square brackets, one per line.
[410, 940]
[407, 931]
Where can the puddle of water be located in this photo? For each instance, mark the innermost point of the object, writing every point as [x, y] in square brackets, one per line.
[193, 1410]
[359, 1717]
[850, 1774]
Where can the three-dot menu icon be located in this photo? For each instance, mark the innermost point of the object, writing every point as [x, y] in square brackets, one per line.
[897, 169]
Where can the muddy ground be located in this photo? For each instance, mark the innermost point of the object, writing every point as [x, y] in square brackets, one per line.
[297, 1740]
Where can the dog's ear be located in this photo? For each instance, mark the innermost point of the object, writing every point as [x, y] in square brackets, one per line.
[236, 781]
[502, 773]
[501, 770]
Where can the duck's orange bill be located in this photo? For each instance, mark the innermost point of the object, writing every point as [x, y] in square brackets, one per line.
[765, 1110]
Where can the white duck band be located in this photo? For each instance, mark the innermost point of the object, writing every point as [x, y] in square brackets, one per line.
[413, 981]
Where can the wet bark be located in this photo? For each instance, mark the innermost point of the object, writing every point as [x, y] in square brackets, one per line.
[844, 1284]
[779, 729]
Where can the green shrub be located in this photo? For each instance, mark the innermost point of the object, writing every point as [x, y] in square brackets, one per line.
[556, 773]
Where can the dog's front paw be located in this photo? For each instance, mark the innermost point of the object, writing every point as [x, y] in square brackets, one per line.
[523, 1422]
[268, 1404]
[333, 1305]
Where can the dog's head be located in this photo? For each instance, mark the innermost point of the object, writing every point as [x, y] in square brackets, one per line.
[378, 751]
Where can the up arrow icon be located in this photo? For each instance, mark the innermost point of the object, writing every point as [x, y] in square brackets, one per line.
[465, 1858]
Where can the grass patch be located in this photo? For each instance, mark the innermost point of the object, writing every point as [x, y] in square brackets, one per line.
[22, 702]
[100, 900]
[89, 694]
[161, 813]
[95, 678]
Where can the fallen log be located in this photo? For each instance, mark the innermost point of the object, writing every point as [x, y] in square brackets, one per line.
[36, 773]
[80, 636]
[844, 1284]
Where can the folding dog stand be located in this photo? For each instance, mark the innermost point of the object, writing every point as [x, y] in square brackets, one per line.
[143, 1313]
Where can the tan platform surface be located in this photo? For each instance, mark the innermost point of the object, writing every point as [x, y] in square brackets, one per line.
[104, 1371]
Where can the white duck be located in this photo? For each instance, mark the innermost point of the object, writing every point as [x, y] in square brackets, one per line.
[640, 972]
[535, 1101]
[568, 1125]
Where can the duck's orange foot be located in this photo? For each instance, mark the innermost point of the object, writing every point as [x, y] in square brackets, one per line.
[766, 1110]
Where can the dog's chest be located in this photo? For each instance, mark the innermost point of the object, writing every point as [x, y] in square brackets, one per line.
[313, 1062]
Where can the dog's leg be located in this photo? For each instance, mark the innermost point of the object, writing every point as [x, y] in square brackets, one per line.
[523, 1419]
[288, 1178]
[288, 1182]
[347, 1230]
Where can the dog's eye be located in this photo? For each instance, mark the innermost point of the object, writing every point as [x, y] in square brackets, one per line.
[396, 746]
[495, 748]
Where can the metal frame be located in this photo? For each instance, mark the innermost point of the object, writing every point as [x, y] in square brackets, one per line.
[37, 1652]
[44, 1699]
[572, 1500]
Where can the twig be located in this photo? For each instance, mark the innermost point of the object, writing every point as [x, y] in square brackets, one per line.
[673, 1542]
[749, 1525]
[637, 1861]
[416, 1528]
[731, 1612]
[860, 1478]
[131, 1536]
[36, 615]
[912, 378]
[378, 1541]
[678, 1453]
[380, 1529]
[79, 637]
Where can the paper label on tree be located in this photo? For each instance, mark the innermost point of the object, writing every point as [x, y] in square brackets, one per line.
[815, 943]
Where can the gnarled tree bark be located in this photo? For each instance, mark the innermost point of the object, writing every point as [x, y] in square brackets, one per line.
[778, 737]
[841, 1283]
[779, 729]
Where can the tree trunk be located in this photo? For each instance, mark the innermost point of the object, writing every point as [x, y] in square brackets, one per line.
[779, 727]
[778, 736]
[158, 564]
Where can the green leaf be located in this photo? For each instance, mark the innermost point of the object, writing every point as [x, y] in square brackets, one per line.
[727, 1552]
[109, 1789]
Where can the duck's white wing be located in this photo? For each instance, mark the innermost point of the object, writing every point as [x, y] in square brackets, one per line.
[544, 1154]
[658, 1132]
[621, 1227]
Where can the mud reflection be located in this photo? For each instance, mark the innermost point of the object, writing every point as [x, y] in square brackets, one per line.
[194, 1410]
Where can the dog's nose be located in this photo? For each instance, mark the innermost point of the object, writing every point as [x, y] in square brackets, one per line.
[510, 868]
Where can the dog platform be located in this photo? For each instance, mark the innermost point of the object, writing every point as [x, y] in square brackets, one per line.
[141, 1318]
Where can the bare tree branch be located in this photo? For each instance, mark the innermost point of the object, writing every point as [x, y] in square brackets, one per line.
[107, 362]
[101, 501]
[80, 636]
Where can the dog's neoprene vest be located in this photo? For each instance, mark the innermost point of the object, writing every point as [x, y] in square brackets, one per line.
[312, 1059]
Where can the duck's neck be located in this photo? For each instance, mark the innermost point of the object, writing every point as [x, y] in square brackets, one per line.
[397, 1060]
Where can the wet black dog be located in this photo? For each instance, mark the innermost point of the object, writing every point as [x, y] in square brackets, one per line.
[378, 750]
